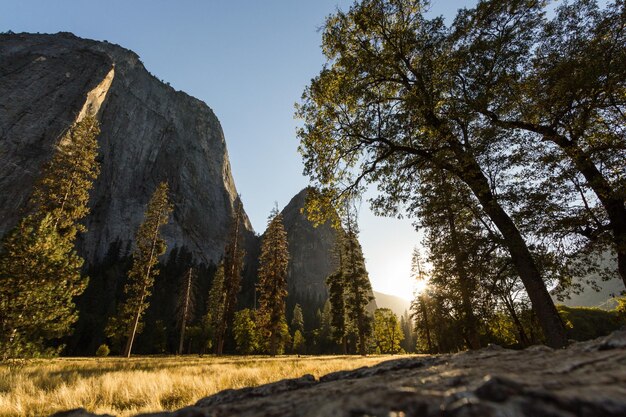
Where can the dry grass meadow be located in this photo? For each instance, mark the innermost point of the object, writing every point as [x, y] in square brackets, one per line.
[123, 387]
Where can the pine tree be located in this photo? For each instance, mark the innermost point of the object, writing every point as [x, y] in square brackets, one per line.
[335, 285]
[357, 287]
[336, 299]
[40, 275]
[297, 320]
[233, 266]
[149, 245]
[324, 334]
[299, 342]
[186, 305]
[215, 301]
[272, 286]
[63, 189]
[39, 268]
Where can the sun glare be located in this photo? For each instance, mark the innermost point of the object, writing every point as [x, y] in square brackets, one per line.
[420, 286]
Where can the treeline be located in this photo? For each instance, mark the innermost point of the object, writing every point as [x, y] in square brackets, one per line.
[501, 133]
[194, 308]
[41, 274]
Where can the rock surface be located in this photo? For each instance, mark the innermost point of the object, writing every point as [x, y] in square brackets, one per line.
[585, 380]
[150, 133]
[310, 250]
[311, 257]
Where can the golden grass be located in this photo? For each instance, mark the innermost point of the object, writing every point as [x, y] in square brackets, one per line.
[124, 387]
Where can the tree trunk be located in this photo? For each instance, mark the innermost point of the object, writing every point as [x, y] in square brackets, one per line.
[133, 329]
[542, 303]
[473, 337]
[524, 341]
[429, 342]
[273, 347]
[610, 200]
[219, 345]
[185, 313]
[612, 203]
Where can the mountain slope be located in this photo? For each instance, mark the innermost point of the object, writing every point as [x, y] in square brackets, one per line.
[396, 304]
[311, 258]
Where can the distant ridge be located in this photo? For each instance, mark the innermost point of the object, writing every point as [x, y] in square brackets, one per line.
[396, 304]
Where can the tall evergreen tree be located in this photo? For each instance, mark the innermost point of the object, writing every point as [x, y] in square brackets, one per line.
[297, 319]
[272, 286]
[149, 246]
[336, 296]
[39, 268]
[233, 265]
[324, 334]
[215, 302]
[357, 287]
[63, 189]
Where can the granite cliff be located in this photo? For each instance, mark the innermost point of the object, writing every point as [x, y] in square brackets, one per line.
[311, 258]
[150, 133]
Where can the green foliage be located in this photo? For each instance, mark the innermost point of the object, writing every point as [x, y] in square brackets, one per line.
[387, 332]
[299, 343]
[40, 276]
[40, 272]
[349, 288]
[215, 303]
[63, 188]
[584, 323]
[103, 351]
[223, 307]
[620, 309]
[336, 304]
[245, 332]
[357, 290]
[149, 246]
[272, 285]
[297, 320]
[323, 336]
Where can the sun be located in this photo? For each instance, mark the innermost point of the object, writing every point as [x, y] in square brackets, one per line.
[420, 286]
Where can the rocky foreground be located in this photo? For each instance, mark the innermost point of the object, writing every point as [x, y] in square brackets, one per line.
[587, 379]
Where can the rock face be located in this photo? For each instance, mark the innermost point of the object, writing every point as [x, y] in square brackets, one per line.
[311, 258]
[311, 249]
[150, 133]
[586, 380]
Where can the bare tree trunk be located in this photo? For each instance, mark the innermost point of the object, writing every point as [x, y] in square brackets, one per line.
[133, 331]
[542, 303]
[185, 312]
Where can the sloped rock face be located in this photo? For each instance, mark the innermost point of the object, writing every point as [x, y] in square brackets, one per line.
[311, 249]
[150, 133]
[311, 258]
[586, 380]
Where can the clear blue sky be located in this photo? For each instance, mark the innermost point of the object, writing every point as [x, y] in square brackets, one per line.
[249, 61]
